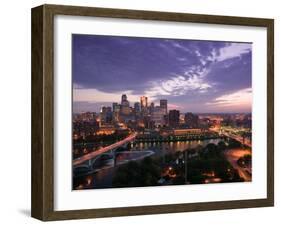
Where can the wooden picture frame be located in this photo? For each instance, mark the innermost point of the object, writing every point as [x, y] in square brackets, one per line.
[43, 107]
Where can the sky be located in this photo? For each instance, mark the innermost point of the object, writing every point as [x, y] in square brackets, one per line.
[193, 75]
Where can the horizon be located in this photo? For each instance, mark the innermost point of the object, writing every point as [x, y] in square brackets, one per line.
[195, 113]
[194, 76]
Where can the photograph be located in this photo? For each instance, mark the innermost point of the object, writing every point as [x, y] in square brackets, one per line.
[141, 112]
[159, 111]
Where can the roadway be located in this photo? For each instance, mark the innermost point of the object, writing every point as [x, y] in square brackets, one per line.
[233, 136]
[102, 150]
[239, 138]
[232, 156]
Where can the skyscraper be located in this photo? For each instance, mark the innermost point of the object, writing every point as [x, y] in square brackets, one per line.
[137, 107]
[106, 115]
[151, 108]
[157, 116]
[116, 111]
[144, 102]
[191, 120]
[114, 106]
[164, 105]
[125, 105]
[123, 97]
[174, 118]
[124, 100]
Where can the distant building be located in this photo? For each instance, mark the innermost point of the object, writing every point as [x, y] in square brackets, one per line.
[137, 107]
[157, 116]
[124, 101]
[151, 108]
[86, 116]
[125, 105]
[166, 119]
[164, 105]
[182, 118]
[148, 123]
[125, 110]
[144, 105]
[181, 132]
[115, 107]
[106, 115]
[191, 120]
[174, 118]
[106, 130]
[144, 102]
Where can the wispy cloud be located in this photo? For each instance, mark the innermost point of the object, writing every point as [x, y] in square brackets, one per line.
[233, 50]
[193, 73]
[192, 79]
[239, 98]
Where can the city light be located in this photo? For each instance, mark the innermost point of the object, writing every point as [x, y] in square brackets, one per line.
[157, 112]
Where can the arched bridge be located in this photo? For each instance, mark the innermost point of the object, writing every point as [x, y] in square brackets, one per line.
[95, 154]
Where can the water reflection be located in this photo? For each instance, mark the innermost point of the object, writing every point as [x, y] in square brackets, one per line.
[164, 147]
[103, 177]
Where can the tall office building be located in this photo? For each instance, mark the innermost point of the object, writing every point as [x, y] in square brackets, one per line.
[151, 108]
[157, 116]
[191, 120]
[144, 102]
[137, 107]
[174, 118]
[114, 107]
[106, 115]
[123, 97]
[124, 100]
[164, 105]
[125, 105]
[125, 109]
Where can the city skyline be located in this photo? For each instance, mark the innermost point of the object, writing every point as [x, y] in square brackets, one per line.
[147, 137]
[194, 76]
[157, 103]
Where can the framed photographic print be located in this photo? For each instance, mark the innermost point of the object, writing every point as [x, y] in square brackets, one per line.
[141, 112]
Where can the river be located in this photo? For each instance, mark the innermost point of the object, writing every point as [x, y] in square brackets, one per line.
[161, 148]
[103, 177]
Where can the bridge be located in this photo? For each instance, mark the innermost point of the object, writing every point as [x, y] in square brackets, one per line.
[240, 139]
[103, 150]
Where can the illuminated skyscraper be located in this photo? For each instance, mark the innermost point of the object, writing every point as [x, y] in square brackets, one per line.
[125, 105]
[157, 116]
[144, 102]
[164, 105]
[106, 115]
